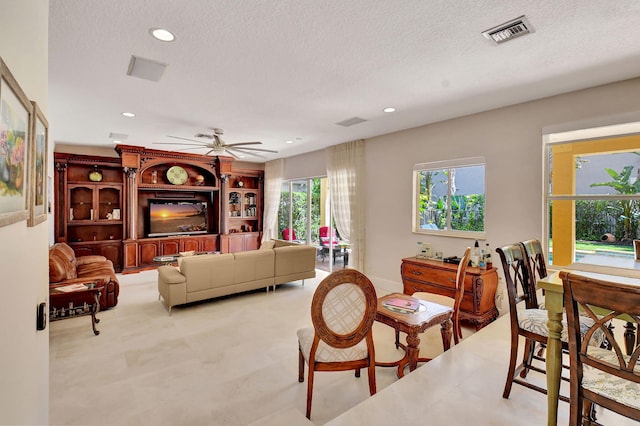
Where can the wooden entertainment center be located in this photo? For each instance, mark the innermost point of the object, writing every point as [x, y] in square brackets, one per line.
[102, 204]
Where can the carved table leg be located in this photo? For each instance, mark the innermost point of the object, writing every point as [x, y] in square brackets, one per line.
[413, 349]
[554, 366]
[445, 331]
[94, 310]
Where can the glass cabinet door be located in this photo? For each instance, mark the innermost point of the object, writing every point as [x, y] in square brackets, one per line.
[249, 205]
[235, 209]
[108, 204]
[80, 203]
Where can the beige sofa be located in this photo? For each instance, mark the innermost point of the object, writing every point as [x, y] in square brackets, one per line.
[214, 275]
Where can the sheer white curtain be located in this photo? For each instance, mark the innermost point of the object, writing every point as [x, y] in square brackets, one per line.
[346, 172]
[273, 172]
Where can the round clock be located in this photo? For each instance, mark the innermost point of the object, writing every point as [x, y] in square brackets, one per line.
[95, 176]
[177, 175]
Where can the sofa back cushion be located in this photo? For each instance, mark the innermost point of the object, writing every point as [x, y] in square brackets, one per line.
[285, 243]
[267, 245]
[62, 263]
[208, 271]
[294, 259]
[253, 265]
[64, 250]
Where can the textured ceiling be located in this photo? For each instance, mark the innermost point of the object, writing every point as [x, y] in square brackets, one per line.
[277, 70]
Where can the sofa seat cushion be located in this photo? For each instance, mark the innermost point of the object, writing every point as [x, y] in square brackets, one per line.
[98, 268]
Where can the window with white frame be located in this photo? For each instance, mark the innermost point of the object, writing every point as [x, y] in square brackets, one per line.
[449, 197]
[592, 199]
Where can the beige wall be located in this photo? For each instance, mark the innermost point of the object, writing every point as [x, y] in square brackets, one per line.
[24, 357]
[308, 165]
[511, 140]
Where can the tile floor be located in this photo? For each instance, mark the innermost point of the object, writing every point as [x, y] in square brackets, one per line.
[233, 361]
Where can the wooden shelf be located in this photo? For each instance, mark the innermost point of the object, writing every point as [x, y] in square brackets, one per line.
[125, 241]
[169, 187]
[89, 232]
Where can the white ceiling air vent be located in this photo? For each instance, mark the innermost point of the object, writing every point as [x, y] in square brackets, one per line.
[508, 30]
[118, 136]
[146, 68]
[351, 121]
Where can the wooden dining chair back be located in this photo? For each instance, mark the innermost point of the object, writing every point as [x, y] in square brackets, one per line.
[537, 266]
[461, 274]
[526, 319]
[343, 310]
[607, 378]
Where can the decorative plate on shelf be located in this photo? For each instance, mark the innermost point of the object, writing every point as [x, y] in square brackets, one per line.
[177, 175]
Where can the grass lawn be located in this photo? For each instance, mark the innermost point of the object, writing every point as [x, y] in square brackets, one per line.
[597, 246]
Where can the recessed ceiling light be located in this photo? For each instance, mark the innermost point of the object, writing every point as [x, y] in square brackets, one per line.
[128, 114]
[389, 109]
[117, 142]
[162, 34]
[289, 141]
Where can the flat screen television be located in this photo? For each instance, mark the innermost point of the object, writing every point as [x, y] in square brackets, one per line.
[177, 217]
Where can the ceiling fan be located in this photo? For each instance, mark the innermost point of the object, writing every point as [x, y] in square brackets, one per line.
[218, 146]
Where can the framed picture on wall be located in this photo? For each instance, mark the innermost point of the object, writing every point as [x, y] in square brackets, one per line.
[38, 187]
[15, 114]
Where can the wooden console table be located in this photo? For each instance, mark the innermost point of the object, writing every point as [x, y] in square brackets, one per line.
[434, 276]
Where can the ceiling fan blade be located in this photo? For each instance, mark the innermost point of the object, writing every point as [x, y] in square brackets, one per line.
[190, 140]
[182, 143]
[257, 149]
[245, 152]
[190, 148]
[231, 154]
[244, 143]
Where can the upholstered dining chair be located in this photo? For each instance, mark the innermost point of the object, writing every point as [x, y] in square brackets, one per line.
[608, 378]
[343, 310]
[527, 321]
[454, 301]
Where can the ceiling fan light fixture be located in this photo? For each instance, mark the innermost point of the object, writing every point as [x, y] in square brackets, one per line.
[218, 146]
[162, 34]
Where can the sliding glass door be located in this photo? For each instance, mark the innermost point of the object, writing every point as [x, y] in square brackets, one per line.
[304, 209]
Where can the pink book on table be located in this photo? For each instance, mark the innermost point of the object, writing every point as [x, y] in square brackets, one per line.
[402, 303]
